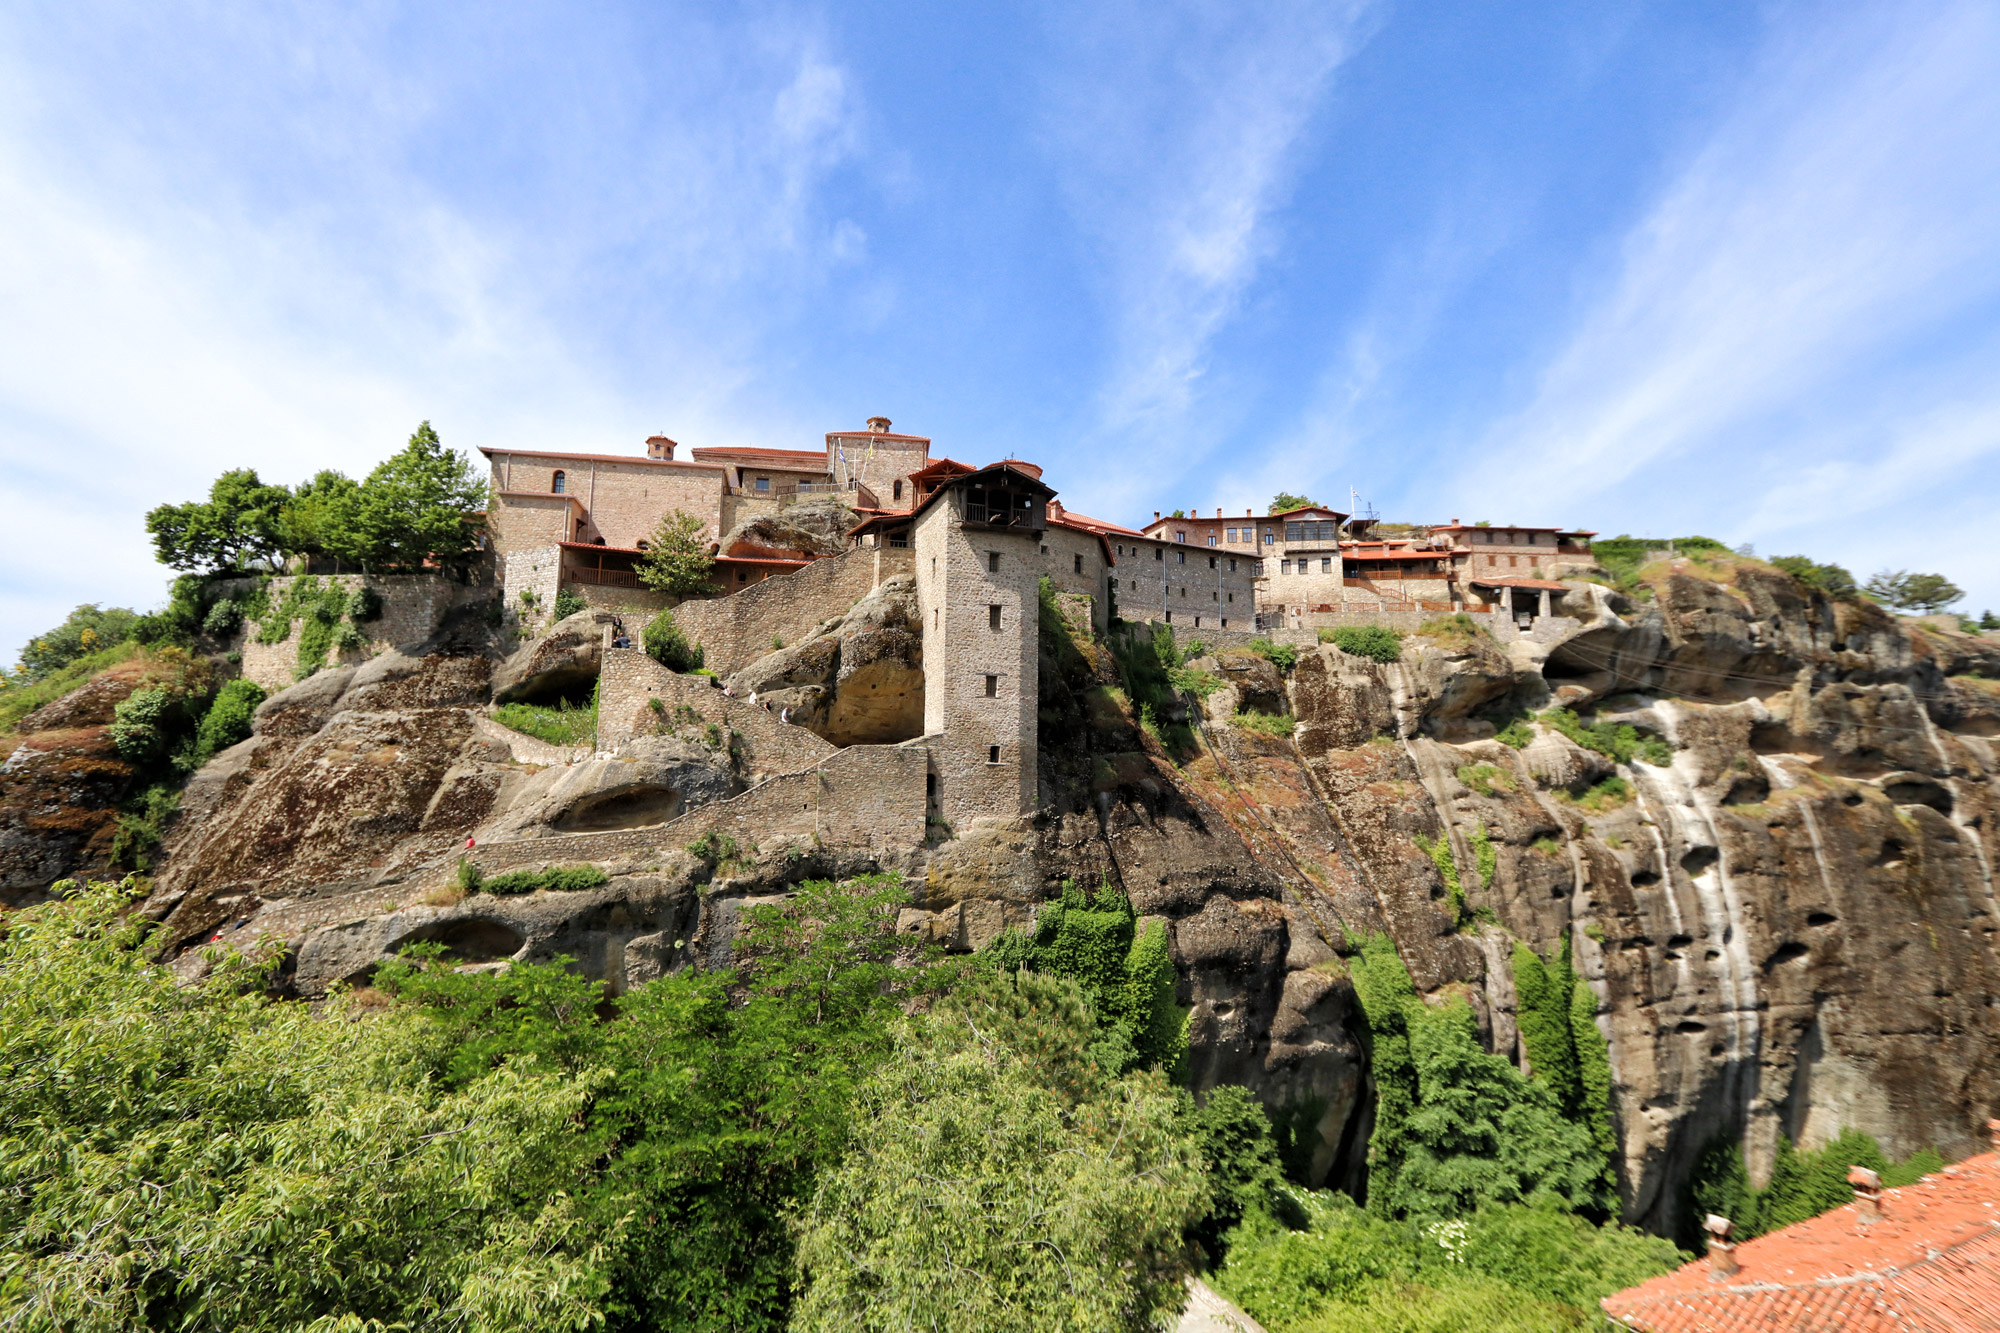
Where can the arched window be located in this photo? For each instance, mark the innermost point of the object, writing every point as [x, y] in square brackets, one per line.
[557, 482]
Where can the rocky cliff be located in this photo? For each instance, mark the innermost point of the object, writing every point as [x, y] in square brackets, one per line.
[1777, 877]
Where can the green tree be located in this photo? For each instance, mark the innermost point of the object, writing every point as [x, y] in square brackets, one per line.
[679, 558]
[416, 505]
[1456, 1126]
[665, 643]
[1099, 1178]
[1914, 592]
[202, 1157]
[237, 527]
[87, 629]
[324, 518]
[1285, 501]
[1829, 579]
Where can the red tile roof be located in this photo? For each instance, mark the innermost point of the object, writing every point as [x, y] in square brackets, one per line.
[600, 458]
[1550, 584]
[795, 460]
[1930, 1263]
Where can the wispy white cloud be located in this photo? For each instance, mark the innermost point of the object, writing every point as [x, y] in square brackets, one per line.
[1178, 129]
[290, 274]
[1769, 311]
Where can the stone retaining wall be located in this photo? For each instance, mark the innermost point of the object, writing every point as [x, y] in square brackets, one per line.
[413, 605]
[736, 630]
[866, 797]
[630, 680]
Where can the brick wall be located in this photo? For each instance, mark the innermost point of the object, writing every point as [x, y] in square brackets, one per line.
[531, 522]
[865, 797]
[736, 630]
[412, 607]
[630, 680]
[958, 586]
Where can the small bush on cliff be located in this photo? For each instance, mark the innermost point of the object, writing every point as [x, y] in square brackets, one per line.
[18, 699]
[227, 721]
[568, 602]
[1267, 725]
[1457, 631]
[1614, 740]
[86, 631]
[557, 879]
[1375, 642]
[666, 644]
[1280, 655]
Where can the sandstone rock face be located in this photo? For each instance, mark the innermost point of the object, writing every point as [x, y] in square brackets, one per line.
[1790, 923]
[857, 679]
[563, 658]
[815, 526]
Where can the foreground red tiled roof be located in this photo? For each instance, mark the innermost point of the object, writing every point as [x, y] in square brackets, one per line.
[1077, 520]
[1930, 1263]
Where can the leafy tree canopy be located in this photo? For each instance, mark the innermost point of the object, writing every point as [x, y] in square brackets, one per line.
[1285, 500]
[679, 559]
[416, 504]
[1829, 579]
[236, 527]
[1914, 592]
[87, 629]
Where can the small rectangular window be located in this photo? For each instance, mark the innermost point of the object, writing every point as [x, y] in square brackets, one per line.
[993, 562]
[993, 687]
[1326, 564]
[763, 485]
[1180, 557]
[1211, 539]
[1197, 622]
[1284, 566]
[1230, 534]
[1232, 566]
[1079, 563]
[1180, 536]
[1232, 596]
[1225, 622]
[1211, 562]
[1269, 537]
[993, 616]
[1159, 553]
[992, 754]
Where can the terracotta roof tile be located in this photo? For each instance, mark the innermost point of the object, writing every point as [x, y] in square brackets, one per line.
[1929, 1264]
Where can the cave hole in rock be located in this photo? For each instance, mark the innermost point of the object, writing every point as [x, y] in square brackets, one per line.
[1774, 738]
[1920, 792]
[632, 807]
[1680, 941]
[1697, 860]
[1637, 942]
[1786, 953]
[1645, 878]
[1891, 852]
[468, 939]
[1748, 789]
[1821, 919]
[562, 689]
[1690, 1026]
[1852, 798]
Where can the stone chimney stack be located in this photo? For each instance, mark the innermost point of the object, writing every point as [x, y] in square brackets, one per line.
[1156, 516]
[1867, 1193]
[1722, 1263]
[659, 446]
[879, 425]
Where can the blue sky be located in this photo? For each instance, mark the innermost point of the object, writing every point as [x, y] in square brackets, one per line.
[1654, 268]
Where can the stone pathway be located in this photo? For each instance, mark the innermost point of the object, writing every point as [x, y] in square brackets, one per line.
[1207, 1312]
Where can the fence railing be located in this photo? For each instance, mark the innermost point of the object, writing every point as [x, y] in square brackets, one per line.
[603, 578]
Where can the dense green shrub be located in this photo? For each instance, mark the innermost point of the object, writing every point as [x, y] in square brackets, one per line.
[1830, 579]
[665, 644]
[1457, 1127]
[19, 697]
[568, 602]
[227, 720]
[1126, 976]
[85, 631]
[557, 879]
[1614, 740]
[1268, 725]
[1376, 642]
[1803, 1183]
[1280, 655]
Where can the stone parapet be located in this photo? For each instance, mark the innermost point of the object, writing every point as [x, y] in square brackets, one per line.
[413, 606]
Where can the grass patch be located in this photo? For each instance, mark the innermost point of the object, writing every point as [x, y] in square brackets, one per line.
[1483, 856]
[1188, 680]
[1608, 795]
[1486, 778]
[564, 724]
[1613, 740]
[1547, 847]
[17, 701]
[1261, 724]
[1375, 642]
[1439, 851]
[1457, 630]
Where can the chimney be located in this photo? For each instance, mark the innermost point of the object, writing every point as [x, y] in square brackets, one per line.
[1867, 1193]
[1454, 523]
[1722, 1263]
[1218, 511]
[1156, 516]
[879, 425]
[659, 446]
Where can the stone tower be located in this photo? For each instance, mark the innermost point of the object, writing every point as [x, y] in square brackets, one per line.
[977, 544]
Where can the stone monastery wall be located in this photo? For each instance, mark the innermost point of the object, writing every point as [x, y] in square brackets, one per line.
[413, 605]
[736, 630]
[629, 681]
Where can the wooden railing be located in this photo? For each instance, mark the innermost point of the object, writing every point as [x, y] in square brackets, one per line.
[603, 578]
